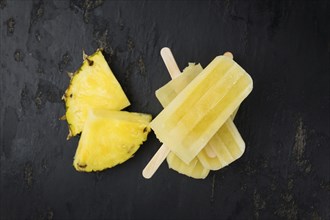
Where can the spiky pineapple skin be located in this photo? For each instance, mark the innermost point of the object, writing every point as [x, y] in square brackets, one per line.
[110, 138]
[93, 85]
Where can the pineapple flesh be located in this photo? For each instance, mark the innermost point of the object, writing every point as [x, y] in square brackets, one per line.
[110, 138]
[93, 86]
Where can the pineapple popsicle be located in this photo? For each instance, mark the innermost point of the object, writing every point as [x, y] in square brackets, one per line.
[188, 123]
[225, 146]
[194, 169]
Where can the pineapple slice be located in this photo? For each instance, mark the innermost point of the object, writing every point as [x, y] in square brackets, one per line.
[92, 86]
[110, 138]
[194, 169]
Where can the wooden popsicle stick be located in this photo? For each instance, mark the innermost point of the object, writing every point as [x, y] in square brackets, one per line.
[229, 54]
[155, 162]
[210, 152]
[170, 62]
[163, 151]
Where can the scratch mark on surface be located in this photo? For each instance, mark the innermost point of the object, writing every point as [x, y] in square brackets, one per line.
[288, 209]
[11, 26]
[300, 141]
[28, 175]
[258, 203]
[299, 148]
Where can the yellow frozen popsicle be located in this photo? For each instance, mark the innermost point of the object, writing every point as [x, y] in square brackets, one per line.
[170, 90]
[194, 169]
[225, 146]
[188, 122]
[167, 93]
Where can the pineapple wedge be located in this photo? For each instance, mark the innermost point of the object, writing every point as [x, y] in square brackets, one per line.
[92, 86]
[110, 138]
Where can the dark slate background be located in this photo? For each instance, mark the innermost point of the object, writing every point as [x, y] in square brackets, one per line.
[284, 45]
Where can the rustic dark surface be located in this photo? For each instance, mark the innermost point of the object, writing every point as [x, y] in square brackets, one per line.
[284, 45]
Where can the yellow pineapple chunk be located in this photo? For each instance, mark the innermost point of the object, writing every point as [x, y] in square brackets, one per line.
[110, 138]
[93, 86]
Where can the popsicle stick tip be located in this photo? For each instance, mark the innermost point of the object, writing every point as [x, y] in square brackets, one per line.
[169, 61]
[155, 162]
[146, 175]
[210, 152]
[229, 55]
[165, 50]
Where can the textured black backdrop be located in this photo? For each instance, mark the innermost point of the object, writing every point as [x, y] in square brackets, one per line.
[284, 45]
